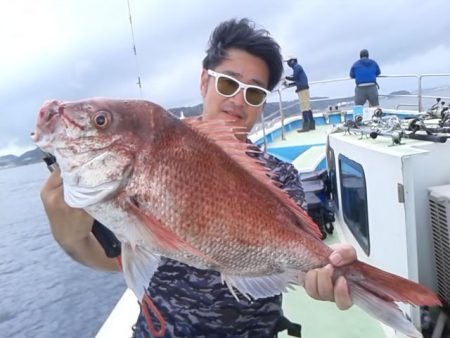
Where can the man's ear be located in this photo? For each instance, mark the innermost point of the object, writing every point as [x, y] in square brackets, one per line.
[204, 79]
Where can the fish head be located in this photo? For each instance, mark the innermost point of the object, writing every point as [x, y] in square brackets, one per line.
[95, 142]
[61, 124]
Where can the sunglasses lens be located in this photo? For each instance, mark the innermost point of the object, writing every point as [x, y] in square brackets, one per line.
[255, 96]
[227, 86]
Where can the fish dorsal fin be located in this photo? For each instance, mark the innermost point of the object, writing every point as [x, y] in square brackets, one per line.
[220, 130]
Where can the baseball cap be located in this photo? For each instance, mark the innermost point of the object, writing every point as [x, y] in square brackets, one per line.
[290, 57]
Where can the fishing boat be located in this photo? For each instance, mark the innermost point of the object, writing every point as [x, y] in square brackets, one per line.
[385, 174]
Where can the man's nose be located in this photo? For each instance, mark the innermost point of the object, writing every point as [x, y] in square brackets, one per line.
[239, 99]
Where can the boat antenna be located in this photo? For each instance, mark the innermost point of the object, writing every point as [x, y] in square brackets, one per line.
[139, 82]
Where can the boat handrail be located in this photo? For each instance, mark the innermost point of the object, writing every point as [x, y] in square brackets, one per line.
[279, 114]
[405, 105]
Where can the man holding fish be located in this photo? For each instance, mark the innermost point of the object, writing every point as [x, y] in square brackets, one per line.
[243, 64]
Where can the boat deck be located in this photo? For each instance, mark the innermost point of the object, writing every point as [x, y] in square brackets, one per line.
[293, 138]
[306, 151]
[319, 319]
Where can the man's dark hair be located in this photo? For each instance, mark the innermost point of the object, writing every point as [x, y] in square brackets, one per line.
[242, 34]
[364, 53]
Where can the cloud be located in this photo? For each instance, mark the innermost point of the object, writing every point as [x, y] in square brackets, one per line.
[16, 147]
[80, 48]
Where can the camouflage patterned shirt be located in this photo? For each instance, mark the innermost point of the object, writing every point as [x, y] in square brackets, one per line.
[195, 302]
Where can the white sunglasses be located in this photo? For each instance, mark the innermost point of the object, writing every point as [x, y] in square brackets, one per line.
[228, 86]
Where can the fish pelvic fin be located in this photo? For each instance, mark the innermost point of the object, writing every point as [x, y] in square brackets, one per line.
[138, 265]
[220, 130]
[376, 292]
[260, 286]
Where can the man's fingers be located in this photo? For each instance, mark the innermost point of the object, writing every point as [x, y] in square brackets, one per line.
[311, 284]
[318, 284]
[341, 294]
[342, 254]
[325, 287]
[54, 180]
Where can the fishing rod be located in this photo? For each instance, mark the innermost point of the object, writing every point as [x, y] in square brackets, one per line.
[106, 238]
[396, 128]
[395, 134]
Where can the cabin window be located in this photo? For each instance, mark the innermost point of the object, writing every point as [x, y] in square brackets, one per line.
[354, 200]
[331, 163]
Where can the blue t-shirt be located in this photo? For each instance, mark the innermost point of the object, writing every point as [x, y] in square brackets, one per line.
[365, 70]
[299, 77]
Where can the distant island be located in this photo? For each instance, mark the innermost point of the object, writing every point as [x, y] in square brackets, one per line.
[400, 92]
[32, 156]
[36, 155]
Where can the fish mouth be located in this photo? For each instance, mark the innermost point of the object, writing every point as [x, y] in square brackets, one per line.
[51, 114]
[50, 110]
[48, 118]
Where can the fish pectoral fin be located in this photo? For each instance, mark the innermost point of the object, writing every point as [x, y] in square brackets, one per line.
[161, 236]
[138, 266]
[261, 286]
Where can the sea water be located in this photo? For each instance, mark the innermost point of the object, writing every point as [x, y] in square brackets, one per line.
[43, 292]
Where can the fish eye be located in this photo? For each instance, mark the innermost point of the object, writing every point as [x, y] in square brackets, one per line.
[101, 119]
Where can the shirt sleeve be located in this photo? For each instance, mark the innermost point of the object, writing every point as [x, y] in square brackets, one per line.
[352, 72]
[378, 71]
[297, 72]
[288, 177]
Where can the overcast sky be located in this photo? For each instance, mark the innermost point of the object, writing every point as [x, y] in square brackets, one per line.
[76, 49]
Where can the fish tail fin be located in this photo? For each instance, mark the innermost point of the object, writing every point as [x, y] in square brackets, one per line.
[376, 292]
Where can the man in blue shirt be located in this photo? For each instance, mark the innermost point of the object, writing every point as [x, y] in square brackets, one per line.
[365, 72]
[300, 80]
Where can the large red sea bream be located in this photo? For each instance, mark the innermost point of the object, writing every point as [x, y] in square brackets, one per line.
[186, 189]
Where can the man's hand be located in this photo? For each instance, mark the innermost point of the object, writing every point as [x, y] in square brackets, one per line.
[318, 282]
[68, 225]
[71, 227]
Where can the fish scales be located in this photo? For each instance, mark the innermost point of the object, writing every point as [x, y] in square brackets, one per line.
[207, 207]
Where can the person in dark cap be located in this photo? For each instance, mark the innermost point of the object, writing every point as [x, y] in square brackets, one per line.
[300, 80]
[365, 72]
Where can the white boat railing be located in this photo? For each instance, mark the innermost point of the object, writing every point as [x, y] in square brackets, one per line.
[278, 115]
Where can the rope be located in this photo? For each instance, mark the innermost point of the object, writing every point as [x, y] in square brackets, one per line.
[139, 82]
[148, 304]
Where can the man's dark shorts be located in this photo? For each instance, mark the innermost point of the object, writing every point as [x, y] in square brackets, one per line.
[366, 93]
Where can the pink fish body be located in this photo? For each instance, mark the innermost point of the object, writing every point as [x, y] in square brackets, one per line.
[187, 190]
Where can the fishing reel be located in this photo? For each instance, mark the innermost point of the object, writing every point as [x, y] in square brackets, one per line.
[377, 113]
[416, 124]
[437, 110]
[445, 119]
